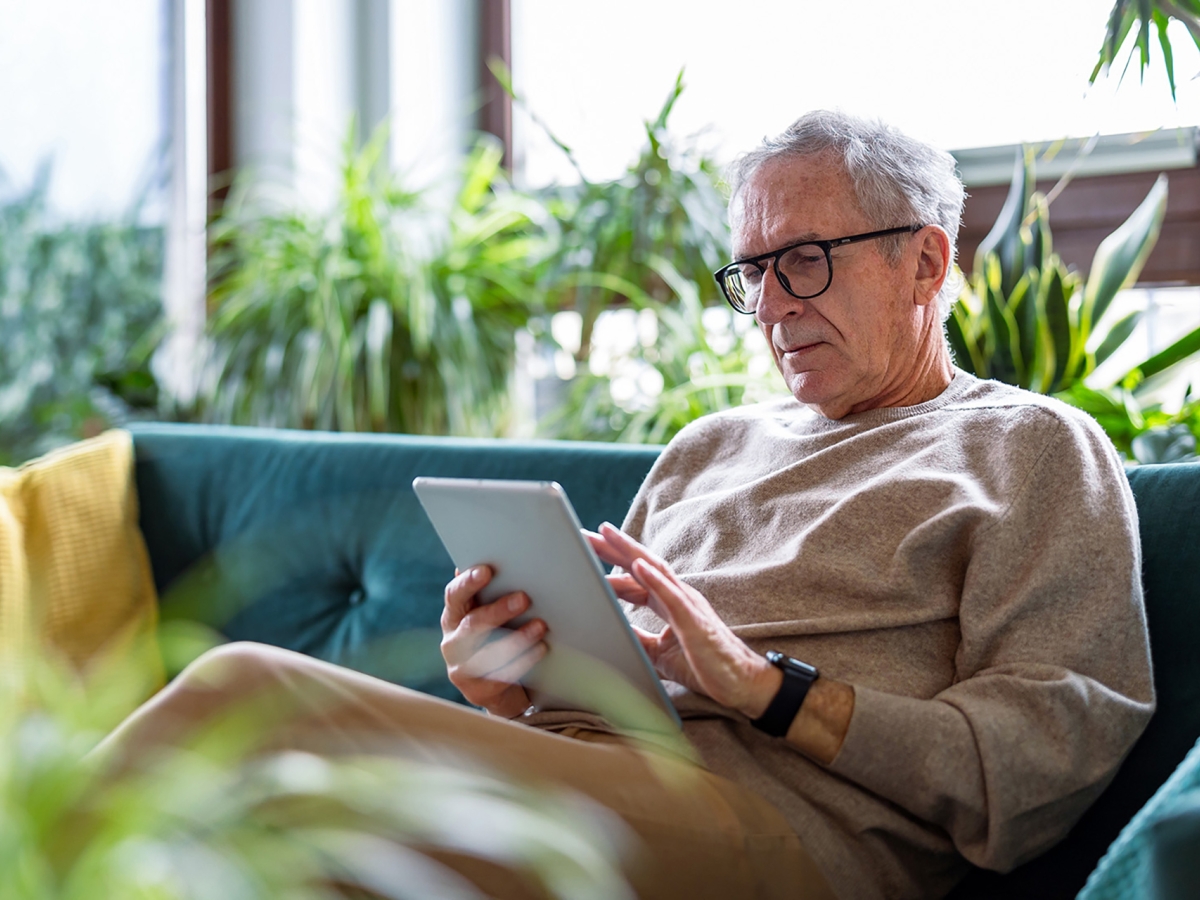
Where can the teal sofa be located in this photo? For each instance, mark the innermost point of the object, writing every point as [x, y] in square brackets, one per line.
[316, 542]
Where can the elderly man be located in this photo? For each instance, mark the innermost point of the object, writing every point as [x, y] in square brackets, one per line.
[945, 568]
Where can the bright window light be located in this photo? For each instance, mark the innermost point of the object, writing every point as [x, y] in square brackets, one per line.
[957, 74]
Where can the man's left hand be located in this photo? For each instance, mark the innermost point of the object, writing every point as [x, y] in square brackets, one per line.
[696, 649]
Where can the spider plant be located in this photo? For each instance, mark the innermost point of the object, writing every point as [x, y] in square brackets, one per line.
[381, 315]
[641, 249]
[668, 206]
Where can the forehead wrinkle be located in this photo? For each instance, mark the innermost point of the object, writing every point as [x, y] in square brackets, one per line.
[761, 213]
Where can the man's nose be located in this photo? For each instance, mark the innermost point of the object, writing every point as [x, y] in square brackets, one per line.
[774, 302]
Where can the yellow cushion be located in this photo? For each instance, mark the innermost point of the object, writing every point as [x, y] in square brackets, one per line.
[75, 577]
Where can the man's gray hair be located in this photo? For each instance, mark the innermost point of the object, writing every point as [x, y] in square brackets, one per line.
[898, 180]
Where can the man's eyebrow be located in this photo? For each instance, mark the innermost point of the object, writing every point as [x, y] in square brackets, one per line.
[798, 239]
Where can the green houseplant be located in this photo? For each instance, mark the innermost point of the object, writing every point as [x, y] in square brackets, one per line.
[216, 817]
[381, 315]
[1025, 319]
[81, 315]
[1141, 17]
[643, 248]
[612, 235]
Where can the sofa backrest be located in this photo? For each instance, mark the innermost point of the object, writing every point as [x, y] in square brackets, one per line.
[316, 542]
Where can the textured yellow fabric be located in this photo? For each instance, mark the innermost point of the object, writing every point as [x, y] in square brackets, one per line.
[75, 576]
[14, 587]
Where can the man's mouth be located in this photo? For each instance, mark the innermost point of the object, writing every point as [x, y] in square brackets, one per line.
[798, 347]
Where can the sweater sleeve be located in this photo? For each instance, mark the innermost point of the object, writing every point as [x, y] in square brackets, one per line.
[1052, 675]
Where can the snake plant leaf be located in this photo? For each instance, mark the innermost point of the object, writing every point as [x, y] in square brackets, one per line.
[1164, 359]
[1004, 239]
[1121, 255]
[1024, 308]
[1117, 335]
[1035, 233]
[1005, 352]
[1055, 303]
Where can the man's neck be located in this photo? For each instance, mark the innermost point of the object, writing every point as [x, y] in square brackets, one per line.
[931, 374]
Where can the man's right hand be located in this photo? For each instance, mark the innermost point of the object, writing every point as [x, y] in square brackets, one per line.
[482, 663]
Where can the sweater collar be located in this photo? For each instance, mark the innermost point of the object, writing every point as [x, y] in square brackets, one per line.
[959, 385]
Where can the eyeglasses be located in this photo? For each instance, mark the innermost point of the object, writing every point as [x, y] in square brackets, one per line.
[805, 270]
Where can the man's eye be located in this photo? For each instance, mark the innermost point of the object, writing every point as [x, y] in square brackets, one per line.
[751, 274]
[803, 257]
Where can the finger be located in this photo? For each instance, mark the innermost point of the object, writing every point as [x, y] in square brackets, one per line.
[479, 626]
[650, 641]
[666, 597]
[626, 549]
[488, 616]
[498, 654]
[476, 627]
[519, 667]
[460, 595]
[603, 549]
[626, 587]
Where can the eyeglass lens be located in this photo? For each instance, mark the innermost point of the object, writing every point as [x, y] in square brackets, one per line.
[804, 269]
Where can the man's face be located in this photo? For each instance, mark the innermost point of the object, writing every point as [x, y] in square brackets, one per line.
[856, 346]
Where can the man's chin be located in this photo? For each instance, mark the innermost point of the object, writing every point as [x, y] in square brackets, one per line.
[815, 391]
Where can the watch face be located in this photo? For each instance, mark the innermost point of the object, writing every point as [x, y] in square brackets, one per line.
[775, 658]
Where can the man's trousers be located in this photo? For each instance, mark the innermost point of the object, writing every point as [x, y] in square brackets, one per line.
[698, 835]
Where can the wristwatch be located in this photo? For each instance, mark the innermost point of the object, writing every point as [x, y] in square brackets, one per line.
[797, 679]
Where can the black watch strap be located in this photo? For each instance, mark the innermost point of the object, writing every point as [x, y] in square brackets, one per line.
[797, 679]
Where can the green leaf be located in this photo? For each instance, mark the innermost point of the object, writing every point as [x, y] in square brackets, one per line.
[1029, 320]
[1175, 443]
[1145, 15]
[660, 121]
[1058, 324]
[1164, 359]
[1036, 232]
[1004, 238]
[1121, 255]
[1005, 364]
[1160, 22]
[1117, 335]
[1021, 320]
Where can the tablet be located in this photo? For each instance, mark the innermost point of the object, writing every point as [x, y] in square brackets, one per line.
[528, 534]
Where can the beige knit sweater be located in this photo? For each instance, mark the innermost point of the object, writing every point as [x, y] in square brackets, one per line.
[971, 566]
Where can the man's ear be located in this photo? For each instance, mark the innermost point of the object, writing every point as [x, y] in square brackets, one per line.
[933, 264]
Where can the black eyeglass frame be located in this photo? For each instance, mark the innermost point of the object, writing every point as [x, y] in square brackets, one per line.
[774, 255]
